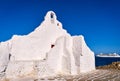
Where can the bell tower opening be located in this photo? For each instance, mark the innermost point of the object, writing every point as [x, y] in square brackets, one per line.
[52, 17]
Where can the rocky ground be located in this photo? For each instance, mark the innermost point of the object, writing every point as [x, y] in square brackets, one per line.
[103, 73]
[114, 65]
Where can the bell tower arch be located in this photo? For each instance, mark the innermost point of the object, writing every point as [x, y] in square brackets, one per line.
[52, 17]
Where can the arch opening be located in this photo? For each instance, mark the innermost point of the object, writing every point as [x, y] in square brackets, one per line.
[51, 15]
[52, 18]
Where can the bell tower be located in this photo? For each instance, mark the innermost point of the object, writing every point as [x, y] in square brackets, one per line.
[52, 17]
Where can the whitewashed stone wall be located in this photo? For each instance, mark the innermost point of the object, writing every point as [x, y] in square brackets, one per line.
[85, 60]
[47, 51]
[4, 56]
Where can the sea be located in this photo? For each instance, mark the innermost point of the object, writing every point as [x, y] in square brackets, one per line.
[100, 61]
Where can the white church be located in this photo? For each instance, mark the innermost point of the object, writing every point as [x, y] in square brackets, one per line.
[47, 51]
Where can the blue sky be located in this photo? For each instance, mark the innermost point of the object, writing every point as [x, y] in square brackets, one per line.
[97, 20]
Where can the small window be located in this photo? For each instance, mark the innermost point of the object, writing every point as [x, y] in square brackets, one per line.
[52, 46]
[51, 15]
[57, 24]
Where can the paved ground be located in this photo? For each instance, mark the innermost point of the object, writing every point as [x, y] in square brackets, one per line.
[97, 75]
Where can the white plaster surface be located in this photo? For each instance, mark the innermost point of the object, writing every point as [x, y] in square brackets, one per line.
[4, 56]
[47, 51]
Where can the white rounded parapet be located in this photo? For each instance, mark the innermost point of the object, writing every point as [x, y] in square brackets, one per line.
[50, 17]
